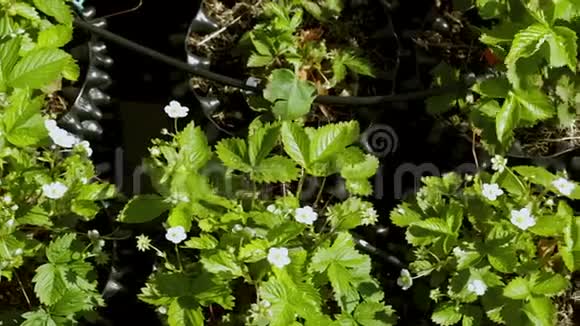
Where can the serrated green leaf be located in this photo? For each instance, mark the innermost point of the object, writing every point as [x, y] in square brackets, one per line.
[97, 191]
[194, 151]
[276, 169]
[58, 251]
[507, 119]
[55, 36]
[502, 259]
[331, 139]
[143, 208]
[549, 284]
[403, 215]
[35, 216]
[50, 285]
[361, 170]
[38, 68]
[517, 289]
[541, 311]
[38, 318]
[85, 208]
[446, 314]
[8, 57]
[291, 97]
[374, 314]
[534, 105]
[221, 262]
[23, 123]
[72, 301]
[256, 60]
[181, 312]
[496, 87]
[25, 10]
[57, 9]
[261, 142]
[204, 241]
[430, 228]
[563, 48]
[296, 143]
[232, 152]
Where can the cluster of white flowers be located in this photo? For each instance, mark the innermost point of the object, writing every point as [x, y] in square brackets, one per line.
[176, 234]
[176, 110]
[491, 191]
[305, 215]
[278, 257]
[523, 218]
[498, 163]
[54, 190]
[64, 138]
[476, 286]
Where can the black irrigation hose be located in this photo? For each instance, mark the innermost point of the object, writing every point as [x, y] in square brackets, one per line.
[204, 73]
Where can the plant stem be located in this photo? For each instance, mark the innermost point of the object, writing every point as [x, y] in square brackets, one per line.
[320, 192]
[175, 125]
[300, 185]
[178, 258]
[23, 290]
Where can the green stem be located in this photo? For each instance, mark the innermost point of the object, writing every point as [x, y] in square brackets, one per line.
[319, 195]
[178, 258]
[175, 125]
[524, 188]
[300, 185]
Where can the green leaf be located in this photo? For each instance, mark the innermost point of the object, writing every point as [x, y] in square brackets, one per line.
[23, 123]
[85, 208]
[534, 105]
[496, 87]
[502, 258]
[506, 120]
[58, 251]
[549, 284]
[38, 318]
[38, 68]
[518, 289]
[97, 191]
[261, 142]
[257, 60]
[36, 216]
[541, 311]
[143, 208]
[430, 228]
[291, 96]
[8, 58]
[374, 314]
[25, 10]
[346, 269]
[254, 251]
[194, 151]
[55, 36]
[221, 262]
[204, 241]
[446, 314]
[57, 9]
[296, 143]
[403, 215]
[232, 152]
[72, 301]
[276, 169]
[181, 215]
[182, 313]
[50, 286]
[563, 48]
[331, 139]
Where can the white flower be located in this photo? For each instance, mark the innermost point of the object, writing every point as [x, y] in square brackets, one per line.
[176, 234]
[498, 163]
[564, 186]
[7, 199]
[476, 286]
[370, 216]
[60, 136]
[164, 131]
[162, 310]
[305, 215]
[54, 190]
[278, 257]
[405, 280]
[237, 228]
[522, 218]
[176, 110]
[18, 252]
[87, 147]
[14, 207]
[155, 151]
[491, 191]
[458, 252]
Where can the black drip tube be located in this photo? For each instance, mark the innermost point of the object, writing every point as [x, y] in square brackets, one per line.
[225, 80]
